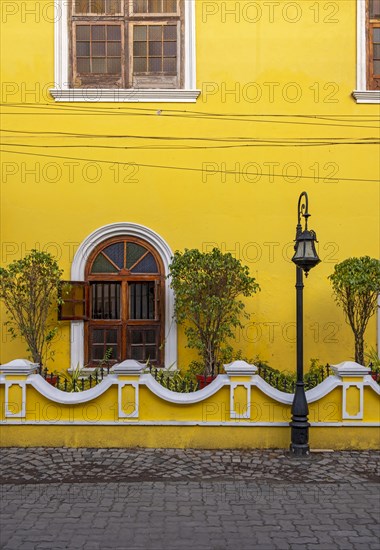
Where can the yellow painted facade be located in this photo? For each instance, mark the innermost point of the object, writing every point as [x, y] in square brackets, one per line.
[273, 71]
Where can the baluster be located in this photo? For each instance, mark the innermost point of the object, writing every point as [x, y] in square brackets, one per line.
[90, 380]
[65, 385]
[82, 384]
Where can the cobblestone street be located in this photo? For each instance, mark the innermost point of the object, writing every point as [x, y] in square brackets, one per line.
[188, 499]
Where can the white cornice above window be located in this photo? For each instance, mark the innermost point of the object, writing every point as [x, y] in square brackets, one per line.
[63, 92]
[367, 96]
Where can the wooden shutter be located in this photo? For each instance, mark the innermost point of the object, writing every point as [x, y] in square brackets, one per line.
[75, 301]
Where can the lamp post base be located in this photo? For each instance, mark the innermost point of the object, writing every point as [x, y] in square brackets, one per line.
[299, 436]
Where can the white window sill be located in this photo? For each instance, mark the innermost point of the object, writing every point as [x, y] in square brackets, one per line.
[367, 96]
[115, 95]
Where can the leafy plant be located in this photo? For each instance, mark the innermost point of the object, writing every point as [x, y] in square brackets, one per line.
[356, 285]
[207, 287]
[72, 381]
[29, 289]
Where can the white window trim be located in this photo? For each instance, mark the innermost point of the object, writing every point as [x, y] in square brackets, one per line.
[361, 94]
[62, 91]
[123, 229]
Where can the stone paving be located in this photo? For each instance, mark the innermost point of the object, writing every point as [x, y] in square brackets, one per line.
[172, 499]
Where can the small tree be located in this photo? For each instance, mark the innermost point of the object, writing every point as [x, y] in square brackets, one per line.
[356, 285]
[206, 287]
[29, 287]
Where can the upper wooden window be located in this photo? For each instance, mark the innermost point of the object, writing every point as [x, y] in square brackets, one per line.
[127, 43]
[373, 44]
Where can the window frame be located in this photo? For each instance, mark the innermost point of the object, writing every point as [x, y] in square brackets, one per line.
[363, 94]
[186, 92]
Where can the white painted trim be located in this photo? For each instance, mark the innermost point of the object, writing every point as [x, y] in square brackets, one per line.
[247, 412]
[67, 398]
[123, 229]
[62, 91]
[121, 406]
[361, 94]
[187, 398]
[359, 414]
[8, 411]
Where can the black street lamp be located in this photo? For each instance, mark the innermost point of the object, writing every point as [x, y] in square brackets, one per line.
[305, 258]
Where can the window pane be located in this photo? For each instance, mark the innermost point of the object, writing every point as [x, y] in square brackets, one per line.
[113, 6]
[170, 6]
[376, 35]
[155, 32]
[82, 6]
[99, 65]
[139, 65]
[141, 300]
[98, 32]
[170, 49]
[111, 337]
[102, 265]
[374, 9]
[114, 32]
[147, 264]
[137, 353]
[83, 65]
[97, 336]
[154, 6]
[136, 336]
[116, 253]
[105, 300]
[170, 65]
[98, 6]
[376, 51]
[99, 49]
[376, 67]
[98, 352]
[134, 251]
[170, 32]
[139, 48]
[83, 32]
[113, 65]
[155, 65]
[83, 48]
[140, 6]
[150, 337]
[150, 353]
[139, 32]
[155, 48]
[114, 49]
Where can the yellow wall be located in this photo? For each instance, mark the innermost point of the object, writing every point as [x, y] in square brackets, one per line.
[254, 219]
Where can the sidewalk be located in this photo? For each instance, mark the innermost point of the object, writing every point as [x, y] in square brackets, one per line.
[188, 499]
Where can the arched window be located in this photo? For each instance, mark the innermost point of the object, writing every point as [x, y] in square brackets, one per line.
[122, 301]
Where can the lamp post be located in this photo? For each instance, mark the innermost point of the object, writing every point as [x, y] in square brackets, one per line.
[305, 258]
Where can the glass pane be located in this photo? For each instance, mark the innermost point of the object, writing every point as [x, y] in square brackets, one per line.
[82, 6]
[134, 252]
[155, 65]
[170, 6]
[99, 49]
[147, 264]
[83, 32]
[113, 351]
[150, 337]
[105, 300]
[136, 337]
[116, 253]
[83, 65]
[97, 6]
[98, 336]
[113, 6]
[150, 352]
[170, 49]
[113, 48]
[155, 32]
[170, 32]
[376, 35]
[140, 6]
[83, 48]
[374, 9]
[139, 32]
[376, 51]
[139, 48]
[141, 300]
[137, 353]
[155, 48]
[114, 32]
[102, 265]
[139, 65]
[113, 65]
[376, 67]
[154, 6]
[98, 32]
[170, 65]
[98, 352]
[99, 65]
[111, 337]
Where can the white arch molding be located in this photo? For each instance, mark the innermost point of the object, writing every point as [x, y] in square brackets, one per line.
[124, 229]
